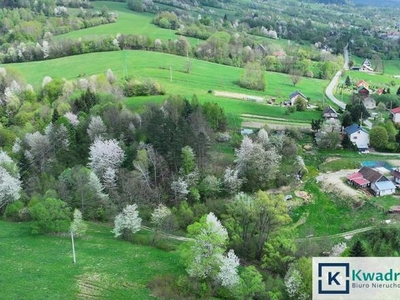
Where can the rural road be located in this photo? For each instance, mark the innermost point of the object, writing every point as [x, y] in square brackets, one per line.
[334, 82]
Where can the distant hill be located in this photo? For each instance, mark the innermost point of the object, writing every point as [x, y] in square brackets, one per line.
[378, 3]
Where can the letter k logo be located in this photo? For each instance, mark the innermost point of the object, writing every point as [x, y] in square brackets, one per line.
[333, 278]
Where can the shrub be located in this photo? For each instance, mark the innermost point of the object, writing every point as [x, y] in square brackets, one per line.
[12, 212]
[50, 215]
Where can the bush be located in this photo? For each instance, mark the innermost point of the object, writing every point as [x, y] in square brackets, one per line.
[50, 215]
[12, 212]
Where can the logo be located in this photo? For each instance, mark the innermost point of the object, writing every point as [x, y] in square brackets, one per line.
[333, 278]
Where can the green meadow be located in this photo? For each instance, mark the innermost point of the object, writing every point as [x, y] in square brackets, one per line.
[128, 22]
[40, 266]
[169, 71]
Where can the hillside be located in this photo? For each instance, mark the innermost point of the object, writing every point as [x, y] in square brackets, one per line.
[106, 268]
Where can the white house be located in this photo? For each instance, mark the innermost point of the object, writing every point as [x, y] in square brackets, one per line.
[367, 177]
[395, 115]
[358, 136]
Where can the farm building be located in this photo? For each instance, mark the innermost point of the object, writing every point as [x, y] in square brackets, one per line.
[330, 113]
[396, 175]
[362, 83]
[358, 136]
[395, 115]
[363, 91]
[295, 96]
[367, 177]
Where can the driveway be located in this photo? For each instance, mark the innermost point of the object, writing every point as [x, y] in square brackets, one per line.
[334, 82]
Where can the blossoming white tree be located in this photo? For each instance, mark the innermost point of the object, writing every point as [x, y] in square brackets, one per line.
[228, 274]
[10, 185]
[127, 222]
[96, 129]
[159, 217]
[204, 256]
[103, 155]
[78, 226]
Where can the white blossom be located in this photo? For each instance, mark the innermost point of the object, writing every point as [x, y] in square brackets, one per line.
[127, 220]
[78, 226]
[72, 118]
[96, 129]
[228, 273]
[105, 154]
[3, 72]
[215, 226]
[46, 80]
[110, 178]
[10, 187]
[293, 283]
[115, 42]
[95, 184]
[159, 214]
[17, 146]
[232, 182]
[83, 83]
[180, 188]
[263, 137]
[110, 76]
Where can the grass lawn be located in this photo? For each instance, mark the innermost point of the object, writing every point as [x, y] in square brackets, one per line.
[386, 201]
[128, 22]
[204, 76]
[327, 216]
[40, 267]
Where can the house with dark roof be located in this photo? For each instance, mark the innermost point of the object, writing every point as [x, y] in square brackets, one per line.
[367, 177]
[358, 135]
[366, 66]
[330, 113]
[396, 175]
[295, 96]
[395, 115]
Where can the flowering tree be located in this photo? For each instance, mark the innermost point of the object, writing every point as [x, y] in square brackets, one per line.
[78, 226]
[10, 185]
[72, 118]
[204, 256]
[103, 155]
[232, 182]
[159, 218]
[128, 222]
[96, 129]
[180, 188]
[228, 275]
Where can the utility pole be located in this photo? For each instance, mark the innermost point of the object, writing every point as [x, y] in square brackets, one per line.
[73, 246]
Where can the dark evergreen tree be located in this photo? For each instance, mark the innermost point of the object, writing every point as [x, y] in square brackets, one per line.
[347, 120]
[398, 91]
[55, 116]
[358, 250]
[316, 124]
[348, 81]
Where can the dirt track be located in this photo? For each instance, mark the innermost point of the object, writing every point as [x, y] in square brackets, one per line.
[333, 182]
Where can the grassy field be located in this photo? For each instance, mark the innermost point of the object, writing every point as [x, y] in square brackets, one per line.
[326, 215]
[128, 22]
[204, 76]
[40, 267]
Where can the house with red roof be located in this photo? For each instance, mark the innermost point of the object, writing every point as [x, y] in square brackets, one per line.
[362, 83]
[368, 177]
[395, 115]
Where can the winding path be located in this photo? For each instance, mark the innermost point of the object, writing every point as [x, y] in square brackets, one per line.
[334, 82]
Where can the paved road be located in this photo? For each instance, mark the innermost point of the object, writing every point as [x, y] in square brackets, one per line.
[334, 82]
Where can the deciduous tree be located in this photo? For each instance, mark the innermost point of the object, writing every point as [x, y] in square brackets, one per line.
[127, 222]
